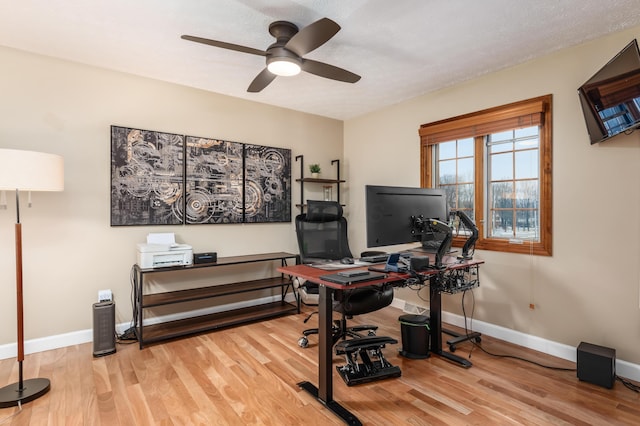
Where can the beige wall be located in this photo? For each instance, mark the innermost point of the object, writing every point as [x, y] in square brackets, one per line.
[70, 250]
[588, 289]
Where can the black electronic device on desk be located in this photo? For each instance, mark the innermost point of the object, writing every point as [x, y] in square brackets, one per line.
[209, 257]
[395, 262]
[351, 277]
[392, 264]
[376, 258]
[419, 263]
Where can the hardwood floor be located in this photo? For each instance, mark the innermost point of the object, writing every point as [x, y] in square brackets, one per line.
[247, 375]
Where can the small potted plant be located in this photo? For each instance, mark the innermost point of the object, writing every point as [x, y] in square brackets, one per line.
[315, 170]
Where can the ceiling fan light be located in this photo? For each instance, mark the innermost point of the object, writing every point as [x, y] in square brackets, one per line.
[284, 67]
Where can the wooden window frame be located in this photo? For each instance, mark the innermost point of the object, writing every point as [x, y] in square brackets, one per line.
[536, 111]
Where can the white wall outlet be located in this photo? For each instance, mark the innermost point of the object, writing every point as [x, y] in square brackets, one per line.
[105, 296]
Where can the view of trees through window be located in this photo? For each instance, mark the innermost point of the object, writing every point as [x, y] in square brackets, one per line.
[513, 161]
[455, 165]
[495, 165]
[514, 184]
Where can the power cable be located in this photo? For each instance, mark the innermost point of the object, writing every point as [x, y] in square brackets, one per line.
[129, 335]
[9, 417]
[476, 344]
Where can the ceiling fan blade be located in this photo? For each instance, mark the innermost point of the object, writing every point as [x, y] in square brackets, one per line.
[225, 45]
[329, 71]
[312, 36]
[261, 81]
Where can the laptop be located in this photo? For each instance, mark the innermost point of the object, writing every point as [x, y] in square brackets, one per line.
[346, 280]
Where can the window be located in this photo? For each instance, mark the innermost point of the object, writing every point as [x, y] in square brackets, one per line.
[455, 166]
[495, 165]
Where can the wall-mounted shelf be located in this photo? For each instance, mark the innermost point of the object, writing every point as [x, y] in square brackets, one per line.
[302, 180]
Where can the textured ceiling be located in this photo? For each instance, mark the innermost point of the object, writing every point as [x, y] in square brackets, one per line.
[401, 48]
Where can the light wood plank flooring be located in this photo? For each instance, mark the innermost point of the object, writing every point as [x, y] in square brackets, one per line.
[247, 375]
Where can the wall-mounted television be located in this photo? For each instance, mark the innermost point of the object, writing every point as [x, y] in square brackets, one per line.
[611, 98]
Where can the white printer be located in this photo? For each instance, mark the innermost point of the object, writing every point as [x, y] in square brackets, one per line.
[161, 250]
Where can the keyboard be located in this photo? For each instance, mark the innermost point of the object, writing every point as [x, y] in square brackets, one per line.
[379, 258]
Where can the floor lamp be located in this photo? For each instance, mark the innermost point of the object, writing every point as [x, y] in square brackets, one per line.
[26, 171]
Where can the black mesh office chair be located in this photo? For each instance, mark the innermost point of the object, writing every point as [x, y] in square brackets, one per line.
[322, 236]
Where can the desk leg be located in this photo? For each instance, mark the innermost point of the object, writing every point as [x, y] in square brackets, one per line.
[435, 316]
[325, 343]
[324, 391]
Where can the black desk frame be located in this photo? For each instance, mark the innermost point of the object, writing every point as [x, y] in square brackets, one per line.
[435, 316]
[324, 391]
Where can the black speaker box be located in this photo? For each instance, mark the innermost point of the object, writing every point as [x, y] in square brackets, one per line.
[419, 263]
[104, 328]
[211, 257]
[596, 364]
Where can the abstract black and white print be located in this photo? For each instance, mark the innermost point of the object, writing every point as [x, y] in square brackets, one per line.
[168, 179]
[215, 180]
[146, 177]
[267, 184]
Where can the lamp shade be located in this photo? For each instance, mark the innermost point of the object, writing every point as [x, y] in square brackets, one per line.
[31, 171]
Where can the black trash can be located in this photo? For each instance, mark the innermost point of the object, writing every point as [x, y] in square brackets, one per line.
[415, 336]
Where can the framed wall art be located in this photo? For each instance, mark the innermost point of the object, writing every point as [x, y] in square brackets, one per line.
[147, 177]
[168, 179]
[215, 178]
[267, 189]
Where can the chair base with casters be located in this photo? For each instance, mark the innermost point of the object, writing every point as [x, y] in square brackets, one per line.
[339, 331]
[374, 365]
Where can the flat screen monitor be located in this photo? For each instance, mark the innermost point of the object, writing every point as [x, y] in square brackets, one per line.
[391, 213]
[610, 99]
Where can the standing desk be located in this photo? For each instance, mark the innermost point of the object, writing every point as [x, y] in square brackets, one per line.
[324, 391]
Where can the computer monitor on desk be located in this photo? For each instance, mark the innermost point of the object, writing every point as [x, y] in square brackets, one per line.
[390, 209]
[402, 215]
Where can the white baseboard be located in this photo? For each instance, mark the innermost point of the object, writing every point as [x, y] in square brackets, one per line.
[623, 368]
[85, 336]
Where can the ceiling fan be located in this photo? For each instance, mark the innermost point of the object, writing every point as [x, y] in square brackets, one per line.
[285, 56]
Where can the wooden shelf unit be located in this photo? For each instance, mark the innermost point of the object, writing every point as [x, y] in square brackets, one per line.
[152, 333]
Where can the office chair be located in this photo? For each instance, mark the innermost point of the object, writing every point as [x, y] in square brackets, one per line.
[322, 236]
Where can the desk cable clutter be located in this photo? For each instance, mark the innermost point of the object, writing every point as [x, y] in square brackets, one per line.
[457, 280]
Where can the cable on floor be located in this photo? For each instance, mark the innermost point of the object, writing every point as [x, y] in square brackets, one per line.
[9, 417]
[129, 335]
[476, 344]
[627, 384]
